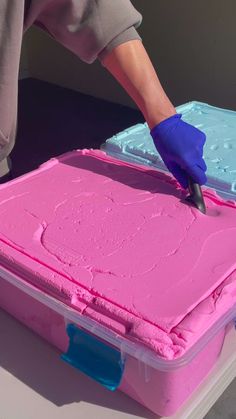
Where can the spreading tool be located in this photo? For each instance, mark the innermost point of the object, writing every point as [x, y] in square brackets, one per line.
[196, 196]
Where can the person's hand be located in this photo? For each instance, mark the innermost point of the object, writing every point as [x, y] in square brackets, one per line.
[180, 146]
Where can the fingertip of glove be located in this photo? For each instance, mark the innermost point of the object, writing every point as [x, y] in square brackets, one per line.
[203, 180]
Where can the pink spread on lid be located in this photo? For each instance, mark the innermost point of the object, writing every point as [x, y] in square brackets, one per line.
[117, 241]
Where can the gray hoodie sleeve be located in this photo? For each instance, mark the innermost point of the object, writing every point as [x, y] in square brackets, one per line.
[11, 31]
[89, 28]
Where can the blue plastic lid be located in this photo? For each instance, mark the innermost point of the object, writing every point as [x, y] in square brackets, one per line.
[135, 145]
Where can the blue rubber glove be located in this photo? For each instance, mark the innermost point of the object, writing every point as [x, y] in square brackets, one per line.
[180, 146]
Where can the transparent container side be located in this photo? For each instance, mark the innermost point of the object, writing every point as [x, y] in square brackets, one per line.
[123, 344]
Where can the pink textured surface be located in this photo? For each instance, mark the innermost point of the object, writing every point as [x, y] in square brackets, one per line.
[116, 242]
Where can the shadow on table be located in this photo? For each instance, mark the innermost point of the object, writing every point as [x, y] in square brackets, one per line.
[53, 120]
[38, 365]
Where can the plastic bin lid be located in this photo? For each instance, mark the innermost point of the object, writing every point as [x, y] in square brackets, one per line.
[135, 144]
[115, 242]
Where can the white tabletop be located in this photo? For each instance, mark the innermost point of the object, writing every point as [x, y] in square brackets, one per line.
[36, 384]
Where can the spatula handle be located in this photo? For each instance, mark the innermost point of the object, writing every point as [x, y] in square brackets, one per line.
[196, 195]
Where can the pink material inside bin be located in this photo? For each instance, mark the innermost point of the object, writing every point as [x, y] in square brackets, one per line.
[118, 243]
[161, 392]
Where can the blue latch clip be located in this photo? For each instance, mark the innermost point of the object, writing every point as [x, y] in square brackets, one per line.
[94, 358]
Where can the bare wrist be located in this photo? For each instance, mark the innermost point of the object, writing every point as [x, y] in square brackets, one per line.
[154, 114]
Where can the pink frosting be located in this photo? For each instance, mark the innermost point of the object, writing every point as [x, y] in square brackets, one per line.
[118, 242]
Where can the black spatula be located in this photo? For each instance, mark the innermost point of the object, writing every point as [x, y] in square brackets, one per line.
[195, 195]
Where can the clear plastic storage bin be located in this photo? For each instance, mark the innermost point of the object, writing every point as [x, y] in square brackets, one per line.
[41, 284]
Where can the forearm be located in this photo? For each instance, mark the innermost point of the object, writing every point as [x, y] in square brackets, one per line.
[130, 64]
